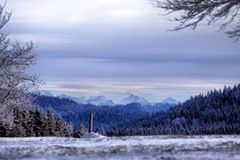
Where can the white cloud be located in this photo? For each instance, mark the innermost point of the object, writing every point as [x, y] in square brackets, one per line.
[65, 12]
[126, 13]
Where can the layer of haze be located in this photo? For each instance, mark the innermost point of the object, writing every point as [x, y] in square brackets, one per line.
[118, 47]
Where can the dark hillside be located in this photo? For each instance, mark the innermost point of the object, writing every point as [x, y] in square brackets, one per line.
[217, 112]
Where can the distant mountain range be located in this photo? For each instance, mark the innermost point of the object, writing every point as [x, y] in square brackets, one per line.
[103, 101]
[94, 100]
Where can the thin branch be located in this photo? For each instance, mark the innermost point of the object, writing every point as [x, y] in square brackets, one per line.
[195, 11]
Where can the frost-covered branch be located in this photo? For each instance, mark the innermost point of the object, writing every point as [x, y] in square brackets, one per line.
[192, 12]
[15, 81]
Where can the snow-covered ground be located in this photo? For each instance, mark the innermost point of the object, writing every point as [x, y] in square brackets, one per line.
[123, 148]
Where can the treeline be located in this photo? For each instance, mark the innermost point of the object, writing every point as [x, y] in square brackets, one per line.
[105, 117]
[34, 123]
[217, 112]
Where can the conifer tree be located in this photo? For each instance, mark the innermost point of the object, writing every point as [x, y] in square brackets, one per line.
[59, 126]
[68, 130]
[79, 132]
[29, 124]
[50, 122]
[3, 130]
[18, 129]
[37, 122]
[44, 127]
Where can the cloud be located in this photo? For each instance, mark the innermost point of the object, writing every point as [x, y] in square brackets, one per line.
[123, 42]
[65, 12]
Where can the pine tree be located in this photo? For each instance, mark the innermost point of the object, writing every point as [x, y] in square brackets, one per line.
[3, 130]
[78, 133]
[29, 124]
[37, 122]
[68, 130]
[44, 126]
[59, 126]
[18, 129]
[50, 122]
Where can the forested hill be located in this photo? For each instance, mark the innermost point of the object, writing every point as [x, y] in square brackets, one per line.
[104, 116]
[217, 112]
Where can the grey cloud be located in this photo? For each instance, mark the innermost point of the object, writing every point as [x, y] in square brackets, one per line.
[132, 56]
[95, 69]
[127, 50]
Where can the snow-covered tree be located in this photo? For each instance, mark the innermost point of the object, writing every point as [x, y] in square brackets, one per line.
[68, 130]
[79, 132]
[15, 81]
[38, 122]
[59, 126]
[50, 122]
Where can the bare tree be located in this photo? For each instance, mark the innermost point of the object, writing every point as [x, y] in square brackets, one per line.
[15, 81]
[192, 12]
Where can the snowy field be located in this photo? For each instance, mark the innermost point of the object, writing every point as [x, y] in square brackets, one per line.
[123, 148]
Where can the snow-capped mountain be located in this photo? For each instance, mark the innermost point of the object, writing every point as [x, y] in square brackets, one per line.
[134, 99]
[103, 101]
[170, 100]
[94, 100]
[100, 101]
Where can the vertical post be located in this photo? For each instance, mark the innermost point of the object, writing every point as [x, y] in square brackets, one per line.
[91, 123]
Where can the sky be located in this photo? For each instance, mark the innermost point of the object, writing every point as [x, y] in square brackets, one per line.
[118, 47]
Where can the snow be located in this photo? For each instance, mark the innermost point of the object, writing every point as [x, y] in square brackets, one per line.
[100, 101]
[134, 99]
[100, 147]
[94, 100]
[92, 135]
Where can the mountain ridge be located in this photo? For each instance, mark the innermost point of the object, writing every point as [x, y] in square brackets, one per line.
[104, 101]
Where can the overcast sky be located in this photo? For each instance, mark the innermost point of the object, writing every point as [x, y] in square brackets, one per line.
[118, 47]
